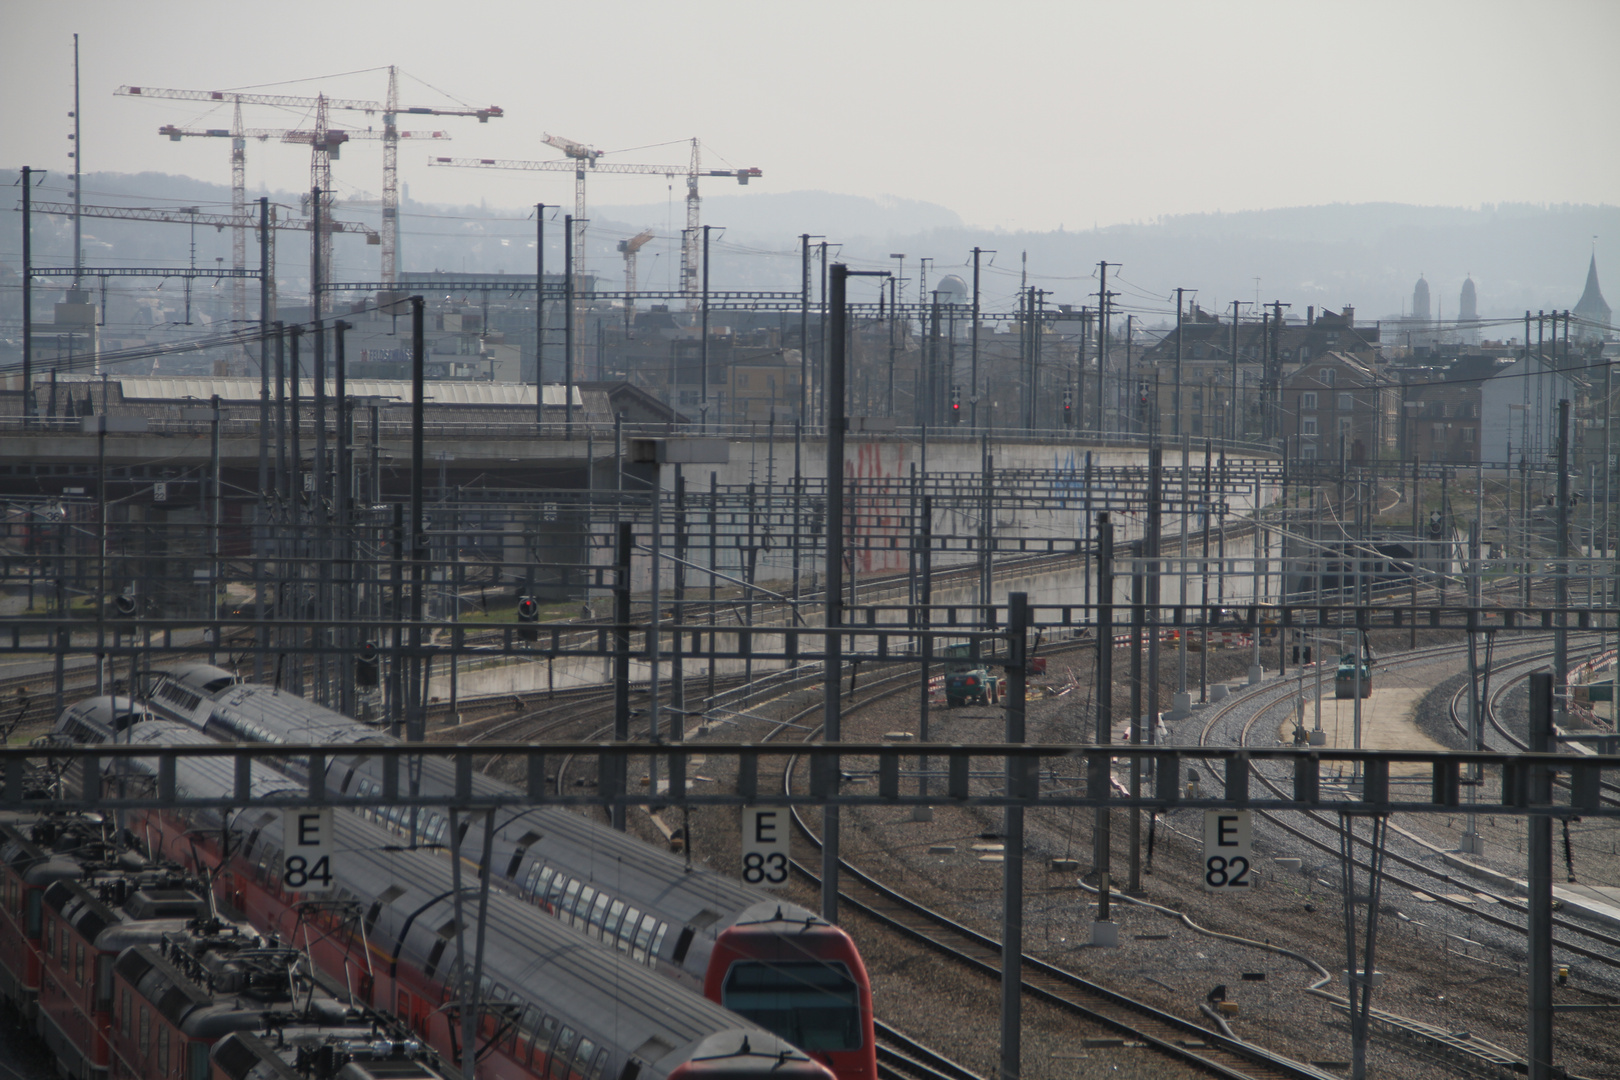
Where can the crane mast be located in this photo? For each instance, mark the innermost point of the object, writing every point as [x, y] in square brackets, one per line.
[320, 146]
[577, 164]
[629, 248]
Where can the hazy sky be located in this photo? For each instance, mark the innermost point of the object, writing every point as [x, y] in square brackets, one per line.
[1015, 115]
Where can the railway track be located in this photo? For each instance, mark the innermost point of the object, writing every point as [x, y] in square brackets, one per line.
[1469, 1053]
[1183, 1040]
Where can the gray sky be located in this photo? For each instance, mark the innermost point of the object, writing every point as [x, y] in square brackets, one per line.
[1017, 115]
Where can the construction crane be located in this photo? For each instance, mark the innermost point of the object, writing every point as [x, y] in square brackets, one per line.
[333, 138]
[320, 163]
[628, 249]
[579, 164]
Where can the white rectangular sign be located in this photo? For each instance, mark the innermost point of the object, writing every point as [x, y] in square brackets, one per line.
[306, 840]
[765, 845]
[1228, 850]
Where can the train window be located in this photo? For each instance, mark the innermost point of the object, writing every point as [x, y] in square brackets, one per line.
[599, 914]
[657, 941]
[142, 1033]
[569, 895]
[62, 954]
[163, 1051]
[198, 1058]
[485, 986]
[542, 1042]
[599, 1067]
[104, 969]
[78, 962]
[582, 1060]
[582, 907]
[529, 879]
[628, 930]
[554, 891]
[610, 929]
[529, 1031]
[123, 1016]
[36, 908]
[814, 1005]
[643, 937]
[50, 938]
[542, 882]
[560, 1055]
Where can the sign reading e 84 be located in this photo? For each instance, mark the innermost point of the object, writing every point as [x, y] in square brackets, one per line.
[1228, 849]
[765, 845]
[306, 839]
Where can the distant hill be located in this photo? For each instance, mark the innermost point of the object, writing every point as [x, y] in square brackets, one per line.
[1368, 254]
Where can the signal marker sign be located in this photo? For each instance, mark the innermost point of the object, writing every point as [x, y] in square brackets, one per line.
[1228, 850]
[765, 845]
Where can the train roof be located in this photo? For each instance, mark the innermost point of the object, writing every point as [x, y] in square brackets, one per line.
[271, 715]
[205, 679]
[633, 871]
[592, 988]
[97, 719]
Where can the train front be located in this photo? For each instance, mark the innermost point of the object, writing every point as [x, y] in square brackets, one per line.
[801, 978]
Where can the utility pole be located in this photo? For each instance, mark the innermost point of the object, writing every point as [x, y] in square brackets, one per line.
[1102, 340]
[973, 346]
[703, 367]
[28, 295]
[539, 313]
[568, 328]
[1561, 581]
[1176, 430]
[1097, 780]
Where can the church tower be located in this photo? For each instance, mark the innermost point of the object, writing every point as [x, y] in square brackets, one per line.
[1468, 313]
[1593, 308]
[1420, 300]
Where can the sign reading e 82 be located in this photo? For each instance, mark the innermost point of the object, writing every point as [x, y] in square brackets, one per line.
[1228, 850]
[765, 845]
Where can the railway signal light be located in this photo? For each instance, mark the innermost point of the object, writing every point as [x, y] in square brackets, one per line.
[1068, 406]
[528, 613]
[956, 404]
[365, 665]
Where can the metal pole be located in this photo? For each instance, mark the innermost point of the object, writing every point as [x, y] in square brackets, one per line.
[415, 715]
[568, 329]
[1012, 864]
[539, 313]
[214, 523]
[1097, 783]
[833, 665]
[621, 650]
[1539, 1031]
[703, 351]
[973, 349]
[27, 296]
[925, 559]
[1561, 581]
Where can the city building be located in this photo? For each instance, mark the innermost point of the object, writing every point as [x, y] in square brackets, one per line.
[1337, 404]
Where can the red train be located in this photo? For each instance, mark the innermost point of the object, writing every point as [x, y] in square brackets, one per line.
[770, 960]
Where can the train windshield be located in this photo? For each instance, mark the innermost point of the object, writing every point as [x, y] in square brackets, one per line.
[815, 1006]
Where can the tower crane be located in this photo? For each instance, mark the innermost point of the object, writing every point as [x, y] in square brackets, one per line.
[320, 165]
[628, 249]
[333, 140]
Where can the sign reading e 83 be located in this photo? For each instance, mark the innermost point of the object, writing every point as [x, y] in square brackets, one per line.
[765, 845]
[1228, 849]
